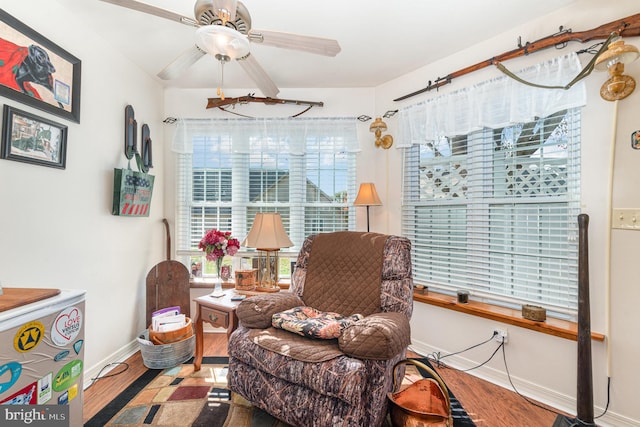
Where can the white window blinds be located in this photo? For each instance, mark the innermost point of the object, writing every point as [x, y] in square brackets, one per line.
[493, 209]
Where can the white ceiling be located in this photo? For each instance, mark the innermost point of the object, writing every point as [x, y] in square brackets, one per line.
[380, 40]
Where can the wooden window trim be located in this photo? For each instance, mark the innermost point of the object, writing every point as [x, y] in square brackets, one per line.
[556, 327]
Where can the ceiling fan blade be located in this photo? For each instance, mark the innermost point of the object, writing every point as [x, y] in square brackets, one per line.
[311, 44]
[259, 76]
[181, 63]
[152, 10]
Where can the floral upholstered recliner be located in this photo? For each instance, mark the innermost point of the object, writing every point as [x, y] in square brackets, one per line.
[364, 280]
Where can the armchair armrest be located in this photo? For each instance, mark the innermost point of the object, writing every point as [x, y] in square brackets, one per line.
[379, 336]
[256, 311]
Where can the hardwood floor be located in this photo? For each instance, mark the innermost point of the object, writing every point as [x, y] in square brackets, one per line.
[487, 404]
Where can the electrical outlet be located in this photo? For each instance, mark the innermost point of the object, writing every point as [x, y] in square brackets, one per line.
[500, 335]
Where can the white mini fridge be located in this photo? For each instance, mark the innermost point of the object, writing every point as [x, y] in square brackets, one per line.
[41, 357]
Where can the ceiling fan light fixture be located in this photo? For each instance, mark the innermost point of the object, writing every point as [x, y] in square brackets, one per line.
[219, 40]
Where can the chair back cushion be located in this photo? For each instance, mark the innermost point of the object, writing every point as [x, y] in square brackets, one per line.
[344, 272]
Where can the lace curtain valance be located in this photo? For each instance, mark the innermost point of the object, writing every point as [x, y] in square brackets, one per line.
[494, 103]
[288, 135]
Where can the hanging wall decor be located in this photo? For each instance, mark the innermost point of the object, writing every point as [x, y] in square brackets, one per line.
[32, 139]
[147, 153]
[132, 190]
[37, 72]
[130, 132]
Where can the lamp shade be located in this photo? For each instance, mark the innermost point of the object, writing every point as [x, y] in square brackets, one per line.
[267, 232]
[367, 195]
[378, 124]
[617, 52]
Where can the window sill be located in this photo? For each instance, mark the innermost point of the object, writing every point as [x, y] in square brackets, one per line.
[210, 284]
[555, 327]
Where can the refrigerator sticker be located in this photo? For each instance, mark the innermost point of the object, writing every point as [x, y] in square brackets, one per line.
[45, 391]
[58, 357]
[66, 326]
[77, 346]
[73, 392]
[67, 375]
[63, 399]
[15, 369]
[26, 396]
[28, 336]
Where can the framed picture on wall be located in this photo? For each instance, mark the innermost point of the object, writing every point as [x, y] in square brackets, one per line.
[32, 139]
[37, 72]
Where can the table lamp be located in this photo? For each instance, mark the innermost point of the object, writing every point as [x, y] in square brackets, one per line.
[367, 196]
[267, 235]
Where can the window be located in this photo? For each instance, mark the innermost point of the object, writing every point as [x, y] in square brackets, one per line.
[494, 212]
[228, 170]
[491, 187]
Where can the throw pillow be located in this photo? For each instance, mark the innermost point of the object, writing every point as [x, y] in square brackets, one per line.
[309, 322]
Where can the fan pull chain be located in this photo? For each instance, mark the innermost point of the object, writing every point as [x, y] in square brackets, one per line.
[220, 88]
[222, 58]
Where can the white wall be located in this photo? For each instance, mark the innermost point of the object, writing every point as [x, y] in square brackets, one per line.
[541, 365]
[56, 226]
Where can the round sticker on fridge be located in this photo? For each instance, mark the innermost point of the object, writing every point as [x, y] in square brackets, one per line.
[28, 336]
[66, 326]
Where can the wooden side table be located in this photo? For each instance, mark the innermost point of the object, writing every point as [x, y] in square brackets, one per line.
[219, 312]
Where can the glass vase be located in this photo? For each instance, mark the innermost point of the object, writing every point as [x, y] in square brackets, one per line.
[217, 290]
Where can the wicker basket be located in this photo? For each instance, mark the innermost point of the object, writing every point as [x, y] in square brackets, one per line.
[166, 355]
[160, 338]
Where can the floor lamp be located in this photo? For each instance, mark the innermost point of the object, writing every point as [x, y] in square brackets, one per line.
[367, 196]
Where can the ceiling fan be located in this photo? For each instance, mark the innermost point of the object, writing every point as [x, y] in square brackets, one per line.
[224, 31]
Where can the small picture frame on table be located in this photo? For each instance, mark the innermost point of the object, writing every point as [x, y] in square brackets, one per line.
[31, 139]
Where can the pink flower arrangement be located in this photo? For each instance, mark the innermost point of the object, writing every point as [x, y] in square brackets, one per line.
[217, 244]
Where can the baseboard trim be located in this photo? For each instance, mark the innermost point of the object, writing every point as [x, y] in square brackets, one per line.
[531, 390]
[118, 356]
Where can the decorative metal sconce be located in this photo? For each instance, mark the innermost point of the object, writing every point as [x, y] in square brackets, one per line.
[619, 86]
[378, 126]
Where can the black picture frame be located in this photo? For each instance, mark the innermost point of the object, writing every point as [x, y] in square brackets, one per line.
[38, 72]
[31, 139]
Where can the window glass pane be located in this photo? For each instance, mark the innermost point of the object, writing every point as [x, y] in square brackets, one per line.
[443, 169]
[327, 172]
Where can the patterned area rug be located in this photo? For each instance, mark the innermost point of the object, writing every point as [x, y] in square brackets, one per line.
[181, 397]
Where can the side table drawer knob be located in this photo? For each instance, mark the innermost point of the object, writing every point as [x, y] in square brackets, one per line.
[213, 317]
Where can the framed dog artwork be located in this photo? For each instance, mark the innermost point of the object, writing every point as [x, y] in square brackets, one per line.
[37, 72]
